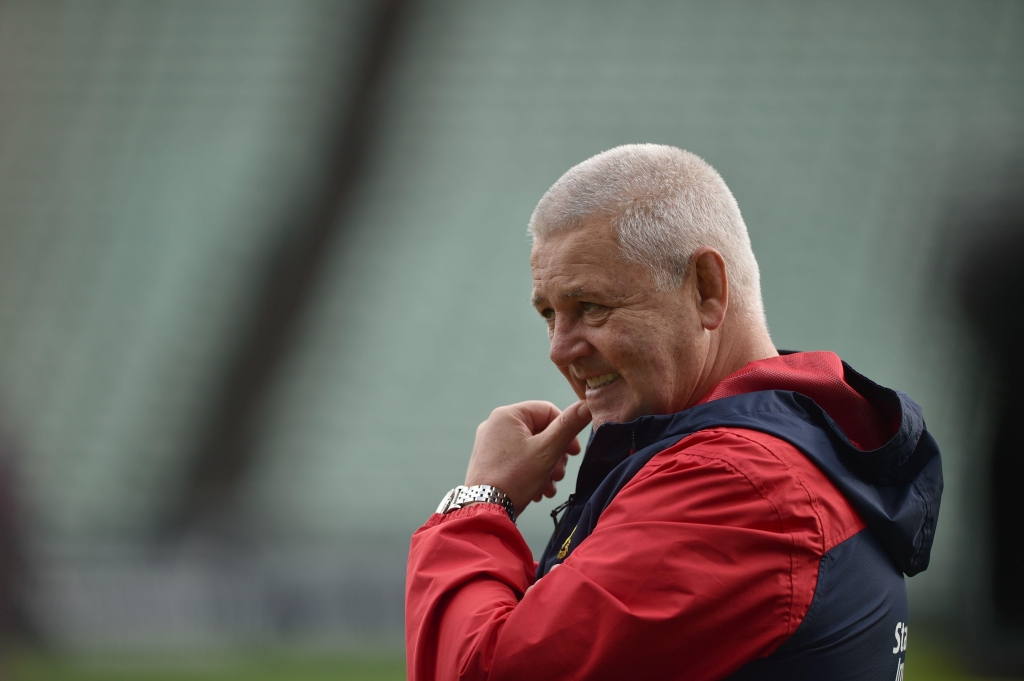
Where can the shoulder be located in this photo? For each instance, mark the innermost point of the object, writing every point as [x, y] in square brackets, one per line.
[745, 477]
[728, 519]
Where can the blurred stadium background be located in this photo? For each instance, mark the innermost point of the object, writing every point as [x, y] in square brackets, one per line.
[263, 269]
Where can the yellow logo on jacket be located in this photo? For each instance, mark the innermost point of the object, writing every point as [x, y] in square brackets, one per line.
[565, 547]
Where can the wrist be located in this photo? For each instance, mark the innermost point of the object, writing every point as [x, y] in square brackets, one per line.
[463, 496]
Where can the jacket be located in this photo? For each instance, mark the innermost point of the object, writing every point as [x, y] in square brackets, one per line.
[763, 533]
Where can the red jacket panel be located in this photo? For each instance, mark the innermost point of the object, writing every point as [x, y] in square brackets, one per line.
[706, 560]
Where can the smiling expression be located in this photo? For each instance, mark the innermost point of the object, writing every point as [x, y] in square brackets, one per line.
[625, 347]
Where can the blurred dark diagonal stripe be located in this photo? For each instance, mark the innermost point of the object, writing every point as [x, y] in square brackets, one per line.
[282, 291]
[992, 296]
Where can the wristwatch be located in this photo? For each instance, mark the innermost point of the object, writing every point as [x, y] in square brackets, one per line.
[462, 495]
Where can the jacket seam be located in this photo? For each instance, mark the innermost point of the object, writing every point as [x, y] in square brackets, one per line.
[696, 453]
[710, 455]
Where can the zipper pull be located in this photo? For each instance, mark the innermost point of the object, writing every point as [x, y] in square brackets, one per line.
[561, 507]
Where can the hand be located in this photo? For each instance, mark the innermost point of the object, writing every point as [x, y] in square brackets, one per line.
[522, 449]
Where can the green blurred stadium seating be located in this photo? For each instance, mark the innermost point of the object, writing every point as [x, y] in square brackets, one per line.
[148, 150]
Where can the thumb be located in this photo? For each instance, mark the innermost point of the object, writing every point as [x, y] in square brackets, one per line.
[560, 432]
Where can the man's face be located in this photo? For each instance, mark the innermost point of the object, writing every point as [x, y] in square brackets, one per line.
[626, 348]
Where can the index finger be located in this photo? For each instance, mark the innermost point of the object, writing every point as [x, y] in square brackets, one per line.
[536, 415]
[561, 433]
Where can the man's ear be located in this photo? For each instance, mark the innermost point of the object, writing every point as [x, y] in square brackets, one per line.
[712, 285]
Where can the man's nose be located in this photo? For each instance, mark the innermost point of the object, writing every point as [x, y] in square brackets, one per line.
[567, 343]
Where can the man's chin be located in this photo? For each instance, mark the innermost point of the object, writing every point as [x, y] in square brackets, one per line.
[612, 403]
[603, 416]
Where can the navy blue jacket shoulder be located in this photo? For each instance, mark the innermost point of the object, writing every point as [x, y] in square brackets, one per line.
[856, 625]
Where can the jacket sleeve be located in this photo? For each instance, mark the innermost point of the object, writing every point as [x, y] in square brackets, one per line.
[692, 571]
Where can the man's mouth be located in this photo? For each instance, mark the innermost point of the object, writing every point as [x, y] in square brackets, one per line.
[603, 379]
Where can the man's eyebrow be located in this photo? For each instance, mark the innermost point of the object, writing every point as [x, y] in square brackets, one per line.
[578, 292]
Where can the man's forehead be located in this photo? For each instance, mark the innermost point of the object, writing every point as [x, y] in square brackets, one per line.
[586, 262]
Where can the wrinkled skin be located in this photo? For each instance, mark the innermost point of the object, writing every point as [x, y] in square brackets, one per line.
[627, 349]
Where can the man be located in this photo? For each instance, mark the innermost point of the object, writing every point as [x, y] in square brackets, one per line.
[738, 513]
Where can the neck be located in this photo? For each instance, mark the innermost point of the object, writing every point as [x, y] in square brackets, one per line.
[733, 346]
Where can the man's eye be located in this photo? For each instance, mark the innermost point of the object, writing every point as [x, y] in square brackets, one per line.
[590, 307]
[547, 314]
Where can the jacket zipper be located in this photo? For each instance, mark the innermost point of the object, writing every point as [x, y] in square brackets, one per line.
[561, 507]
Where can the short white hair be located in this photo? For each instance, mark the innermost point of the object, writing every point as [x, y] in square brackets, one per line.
[663, 204]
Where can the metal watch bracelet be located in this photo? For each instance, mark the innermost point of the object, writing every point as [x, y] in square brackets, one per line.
[487, 494]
